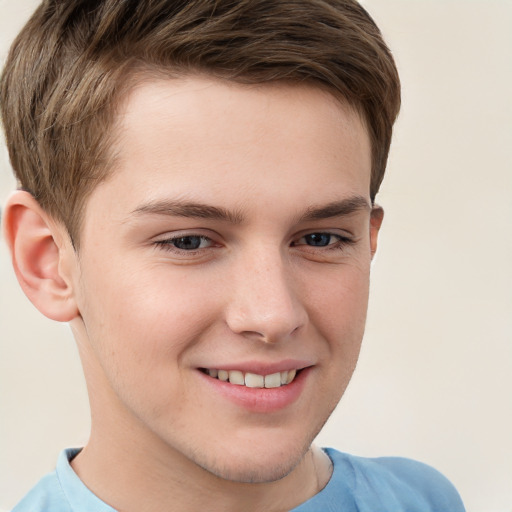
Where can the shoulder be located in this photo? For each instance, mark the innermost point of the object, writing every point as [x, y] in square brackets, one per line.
[403, 484]
[46, 496]
[62, 491]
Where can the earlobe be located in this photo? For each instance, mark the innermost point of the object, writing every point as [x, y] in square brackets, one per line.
[40, 257]
[376, 218]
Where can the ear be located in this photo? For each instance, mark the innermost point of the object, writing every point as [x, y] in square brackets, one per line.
[376, 218]
[42, 256]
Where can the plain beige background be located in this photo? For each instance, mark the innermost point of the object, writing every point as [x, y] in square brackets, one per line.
[434, 380]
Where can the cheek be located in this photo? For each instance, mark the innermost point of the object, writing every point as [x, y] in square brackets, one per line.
[339, 303]
[136, 333]
[339, 318]
[142, 320]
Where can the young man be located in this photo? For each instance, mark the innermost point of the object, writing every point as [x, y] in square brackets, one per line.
[197, 186]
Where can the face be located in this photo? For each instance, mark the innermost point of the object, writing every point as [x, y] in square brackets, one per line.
[222, 280]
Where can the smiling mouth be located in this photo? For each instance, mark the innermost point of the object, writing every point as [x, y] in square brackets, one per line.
[252, 380]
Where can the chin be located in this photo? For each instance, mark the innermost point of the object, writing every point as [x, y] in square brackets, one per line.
[256, 462]
[253, 471]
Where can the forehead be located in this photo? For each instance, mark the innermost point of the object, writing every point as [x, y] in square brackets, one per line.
[196, 135]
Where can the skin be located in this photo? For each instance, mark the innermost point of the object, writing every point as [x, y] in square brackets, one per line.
[279, 163]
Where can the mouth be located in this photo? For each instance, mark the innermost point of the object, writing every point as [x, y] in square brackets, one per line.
[253, 380]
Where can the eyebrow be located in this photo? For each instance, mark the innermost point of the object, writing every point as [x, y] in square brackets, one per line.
[190, 209]
[337, 209]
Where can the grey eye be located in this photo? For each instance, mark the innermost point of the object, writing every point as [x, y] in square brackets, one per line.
[187, 243]
[318, 239]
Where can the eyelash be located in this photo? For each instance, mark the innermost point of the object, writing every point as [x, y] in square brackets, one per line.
[169, 243]
[341, 243]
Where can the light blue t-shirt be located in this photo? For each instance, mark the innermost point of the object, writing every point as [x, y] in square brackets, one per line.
[358, 484]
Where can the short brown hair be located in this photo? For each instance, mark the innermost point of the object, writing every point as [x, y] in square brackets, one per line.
[70, 65]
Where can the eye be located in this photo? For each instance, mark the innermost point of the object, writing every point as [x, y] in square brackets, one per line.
[323, 243]
[186, 243]
[320, 239]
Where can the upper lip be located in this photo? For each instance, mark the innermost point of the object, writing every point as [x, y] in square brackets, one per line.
[262, 368]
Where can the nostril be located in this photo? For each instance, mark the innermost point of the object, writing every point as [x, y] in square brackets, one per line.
[257, 335]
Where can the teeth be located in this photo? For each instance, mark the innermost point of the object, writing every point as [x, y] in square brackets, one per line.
[236, 377]
[291, 376]
[273, 381]
[253, 380]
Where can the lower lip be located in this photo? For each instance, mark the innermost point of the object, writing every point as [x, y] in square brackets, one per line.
[260, 400]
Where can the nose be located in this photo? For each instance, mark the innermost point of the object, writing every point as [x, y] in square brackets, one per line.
[265, 303]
